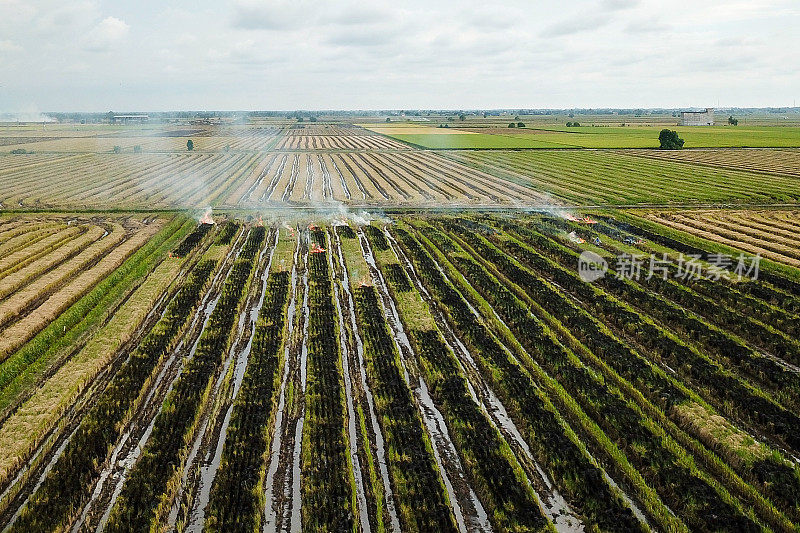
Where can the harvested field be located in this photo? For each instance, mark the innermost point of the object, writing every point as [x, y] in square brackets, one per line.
[120, 180]
[784, 162]
[772, 234]
[252, 179]
[330, 163]
[41, 280]
[620, 178]
[294, 141]
[213, 139]
[452, 370]
[75, 340]
[376, 336]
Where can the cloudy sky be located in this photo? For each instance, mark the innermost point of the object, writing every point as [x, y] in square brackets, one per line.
[91, 55]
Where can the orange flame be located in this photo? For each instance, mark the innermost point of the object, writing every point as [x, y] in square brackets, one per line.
[206, 218]
[584, 220]
[316, 248]
[574, 238]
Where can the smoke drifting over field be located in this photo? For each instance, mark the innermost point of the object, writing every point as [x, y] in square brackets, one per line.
[25, 116]
[340, 215]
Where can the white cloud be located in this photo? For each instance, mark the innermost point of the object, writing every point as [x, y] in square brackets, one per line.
[108, 33]
[581, 24]
[618, 5]
[276, 15]
[351, 14]
[290, 54]
[8, 47]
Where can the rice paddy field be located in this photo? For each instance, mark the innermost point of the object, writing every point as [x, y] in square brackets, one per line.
[319, 326]
[773, 234]
[613, 178]
[601, 135]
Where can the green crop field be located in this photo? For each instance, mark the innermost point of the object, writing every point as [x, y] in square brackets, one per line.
[476, 140]
[602, 136]
[695, 136]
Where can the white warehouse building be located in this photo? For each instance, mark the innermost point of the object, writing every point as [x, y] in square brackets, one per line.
[698, 118]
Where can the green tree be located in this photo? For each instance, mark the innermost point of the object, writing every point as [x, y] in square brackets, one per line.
[512, 125]
[388, 119]
[669, 140]
[137, 149]
[189, 145]
[520, 125]
[733, 121]
[569, 124]
[462, 117]
[117, 149]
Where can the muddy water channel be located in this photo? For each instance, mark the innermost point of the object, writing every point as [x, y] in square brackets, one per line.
[356, 356]
[467, 508]
[211, 441]
[282, 493]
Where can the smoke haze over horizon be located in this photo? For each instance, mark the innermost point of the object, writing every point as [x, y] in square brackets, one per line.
[92, 55]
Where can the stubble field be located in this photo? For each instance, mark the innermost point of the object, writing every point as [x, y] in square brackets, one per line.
[361, 335]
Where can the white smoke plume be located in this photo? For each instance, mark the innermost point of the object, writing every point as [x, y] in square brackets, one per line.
[207, 217]
[26, 116]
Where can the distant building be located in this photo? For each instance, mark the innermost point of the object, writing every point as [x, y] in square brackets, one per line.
[126, 119]
[698, 118]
